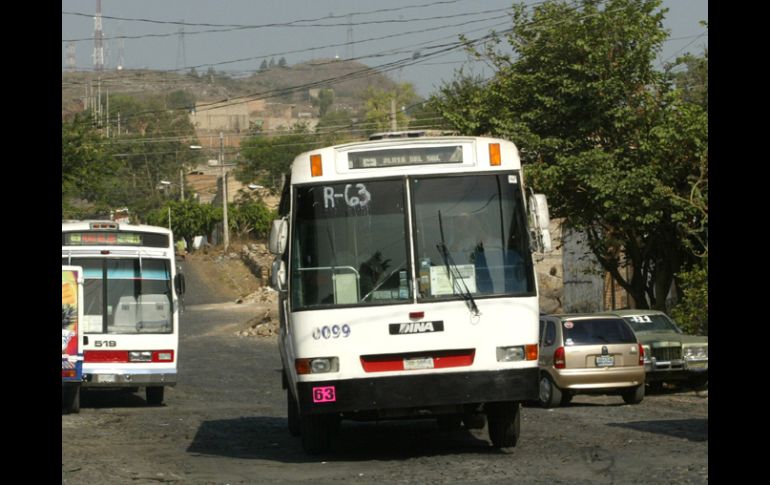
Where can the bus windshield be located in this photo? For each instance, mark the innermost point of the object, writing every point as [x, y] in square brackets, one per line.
[350, 242]
[349, 245]
[126, 295]
[480, 221]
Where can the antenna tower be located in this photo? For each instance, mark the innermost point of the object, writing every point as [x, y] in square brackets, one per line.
[181, 58]
[98, 38]
[71, 62]
[349, 47]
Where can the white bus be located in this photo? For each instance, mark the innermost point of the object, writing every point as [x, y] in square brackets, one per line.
[407, 287]
[131, 304]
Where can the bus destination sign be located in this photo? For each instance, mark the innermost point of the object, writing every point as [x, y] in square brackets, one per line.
[405, 156]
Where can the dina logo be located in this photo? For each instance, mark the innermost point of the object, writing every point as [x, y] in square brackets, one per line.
[416, 327]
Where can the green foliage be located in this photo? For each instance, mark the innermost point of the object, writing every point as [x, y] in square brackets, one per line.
[267, 158]
[100, 173]
[618, 153]
[180, 100]
[250, 218]
[325, 100]
[87, 167]
[188, 219]
[692, 311]
[378, 107]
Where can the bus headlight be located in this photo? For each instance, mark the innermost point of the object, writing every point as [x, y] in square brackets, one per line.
[517, 353]
[317, 365]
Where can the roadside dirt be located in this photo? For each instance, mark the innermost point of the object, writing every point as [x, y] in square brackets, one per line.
[228, 279]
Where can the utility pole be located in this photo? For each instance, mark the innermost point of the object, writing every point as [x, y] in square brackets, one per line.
[393, 122]
[181, 185]
[225, 229]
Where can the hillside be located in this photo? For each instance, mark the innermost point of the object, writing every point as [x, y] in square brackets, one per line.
[290, 84]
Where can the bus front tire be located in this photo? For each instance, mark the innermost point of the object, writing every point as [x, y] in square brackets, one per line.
[154, 395]
[504, 422]
[292, 412]
[316, 430]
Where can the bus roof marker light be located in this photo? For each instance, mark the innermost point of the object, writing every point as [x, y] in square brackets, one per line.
[494, 154]
[316, 170]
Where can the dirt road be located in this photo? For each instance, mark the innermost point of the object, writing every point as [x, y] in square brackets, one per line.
[225, 423]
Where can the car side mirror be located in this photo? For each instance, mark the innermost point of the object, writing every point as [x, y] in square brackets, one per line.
[279, 233]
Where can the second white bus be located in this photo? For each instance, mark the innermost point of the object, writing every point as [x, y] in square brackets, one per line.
[131, 304]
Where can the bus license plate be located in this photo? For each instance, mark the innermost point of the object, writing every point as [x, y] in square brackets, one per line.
[605, 361]
[418, 363]
[108, 378]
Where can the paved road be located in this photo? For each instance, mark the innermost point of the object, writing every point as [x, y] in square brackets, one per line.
[225, 423]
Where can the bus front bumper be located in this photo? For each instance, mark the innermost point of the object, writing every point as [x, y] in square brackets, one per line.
[417, 391]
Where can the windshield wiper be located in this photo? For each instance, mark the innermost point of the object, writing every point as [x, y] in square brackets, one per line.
[454, 275]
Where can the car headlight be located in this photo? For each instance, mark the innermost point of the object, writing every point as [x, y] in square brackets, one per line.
[696, 352]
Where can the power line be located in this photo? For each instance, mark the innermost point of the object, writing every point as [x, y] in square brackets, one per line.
[251, 27]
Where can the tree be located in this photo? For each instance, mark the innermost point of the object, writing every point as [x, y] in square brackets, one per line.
[181, 99]
[263, 66]
[87, 167]
[325, 100]
[379, 103]
[599, 129]
[188, 219]
[250, 218]
[282, 62]
[267, 158]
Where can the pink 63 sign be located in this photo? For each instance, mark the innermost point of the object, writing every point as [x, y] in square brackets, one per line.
[324, 394]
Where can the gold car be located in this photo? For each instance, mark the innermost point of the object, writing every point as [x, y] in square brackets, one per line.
[589, 354]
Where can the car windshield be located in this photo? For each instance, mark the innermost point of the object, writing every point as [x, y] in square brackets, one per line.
[597, 331]
[651, 323]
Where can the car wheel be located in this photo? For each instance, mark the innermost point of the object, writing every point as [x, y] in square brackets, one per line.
[504, 422]
[550, 394]
[634, 395]
[566, 398]
[700, 383]
[292, 412]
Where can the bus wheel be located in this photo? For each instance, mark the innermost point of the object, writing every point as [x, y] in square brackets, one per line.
[71, 399]
[316, 433]
[504, 421]
[293, 414]
[154, 395]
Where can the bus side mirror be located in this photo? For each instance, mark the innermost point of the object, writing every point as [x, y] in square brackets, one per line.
[278, 236]
[538, 206]
[278, 275]
[179, 284]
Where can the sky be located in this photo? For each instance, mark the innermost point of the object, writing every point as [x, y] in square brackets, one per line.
[408, 37]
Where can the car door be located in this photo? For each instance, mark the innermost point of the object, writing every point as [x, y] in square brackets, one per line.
[548, 342]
